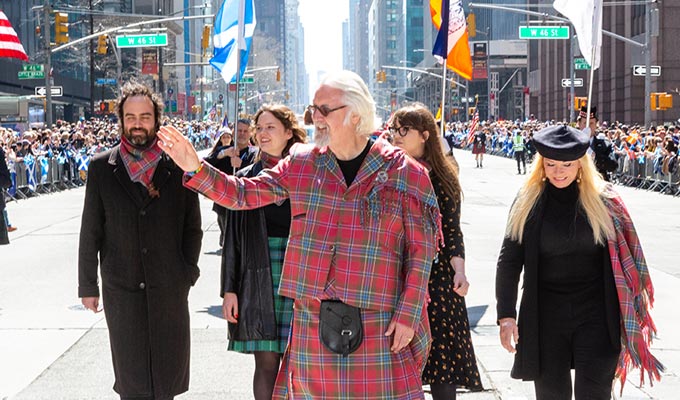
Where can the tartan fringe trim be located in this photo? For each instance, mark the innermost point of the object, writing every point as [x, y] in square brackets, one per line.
[387, 200]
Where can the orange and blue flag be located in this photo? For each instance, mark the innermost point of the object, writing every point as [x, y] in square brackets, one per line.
[452, 40]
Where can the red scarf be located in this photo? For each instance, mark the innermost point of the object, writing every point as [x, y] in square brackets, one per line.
[140, 162]
[268, 161]
[636, 296]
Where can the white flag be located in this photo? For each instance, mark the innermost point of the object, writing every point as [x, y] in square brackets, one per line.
[586, 16]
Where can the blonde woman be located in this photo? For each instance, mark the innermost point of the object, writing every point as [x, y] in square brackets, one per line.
[573, 238]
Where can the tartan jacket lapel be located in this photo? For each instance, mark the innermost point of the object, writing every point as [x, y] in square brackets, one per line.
[160, 178]
[326, 162]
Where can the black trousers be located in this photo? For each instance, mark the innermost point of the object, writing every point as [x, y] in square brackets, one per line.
[519, 157]
[583, 345]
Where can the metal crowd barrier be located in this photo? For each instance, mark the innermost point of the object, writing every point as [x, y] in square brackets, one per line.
[58, 177]
[639, 172]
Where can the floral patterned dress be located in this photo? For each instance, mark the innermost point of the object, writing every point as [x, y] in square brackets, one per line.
[452, 357]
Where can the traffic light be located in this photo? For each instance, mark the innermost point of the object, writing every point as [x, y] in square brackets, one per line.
[661, 101]
[471, 110]
[205, 39]
[471, 25]
[278, 74]
[381, 76]
[580, 102]
[102, 106]
[102, 44]
[60, 28]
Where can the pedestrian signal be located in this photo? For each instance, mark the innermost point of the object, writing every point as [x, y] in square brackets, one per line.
[661, 101]
[580, 102]
[60, 28]
[102, 44]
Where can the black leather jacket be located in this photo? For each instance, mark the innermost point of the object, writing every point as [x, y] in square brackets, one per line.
[246, 271]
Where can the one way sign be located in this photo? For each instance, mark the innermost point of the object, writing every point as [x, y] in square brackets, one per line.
[56, 91]
[639, 70]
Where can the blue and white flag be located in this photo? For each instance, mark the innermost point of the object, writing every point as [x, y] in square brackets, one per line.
[234, 23]
[83, 162]
[44, 169]
[29, 161]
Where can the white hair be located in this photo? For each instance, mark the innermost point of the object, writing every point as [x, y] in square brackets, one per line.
[356, 96]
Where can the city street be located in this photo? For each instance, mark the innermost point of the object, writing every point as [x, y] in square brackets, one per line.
[51, 348]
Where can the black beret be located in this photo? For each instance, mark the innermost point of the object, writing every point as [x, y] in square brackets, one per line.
[561, 143]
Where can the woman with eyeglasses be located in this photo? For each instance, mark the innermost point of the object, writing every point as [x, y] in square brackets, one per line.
[254, 245]
[451, 362]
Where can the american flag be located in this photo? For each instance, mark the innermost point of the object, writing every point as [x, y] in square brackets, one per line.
[473, 126]
[10, 46]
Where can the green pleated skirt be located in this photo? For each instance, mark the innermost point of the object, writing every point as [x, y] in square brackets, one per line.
[283, 307]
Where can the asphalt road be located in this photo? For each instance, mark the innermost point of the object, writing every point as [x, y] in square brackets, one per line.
[51, 348]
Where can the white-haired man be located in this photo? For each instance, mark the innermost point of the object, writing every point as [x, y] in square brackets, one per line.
[363, 236]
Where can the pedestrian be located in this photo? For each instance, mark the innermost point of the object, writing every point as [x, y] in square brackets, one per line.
[519, 147]
[479, 147]
[5, 182]
[451, 362]
[601, 147]
[226, 160]
[143, 229]
[246, 151]
[587, 291]
[259, 319]
[364, 231]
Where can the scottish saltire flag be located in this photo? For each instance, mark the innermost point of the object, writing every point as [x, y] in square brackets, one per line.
[234, 23]
[29, 161]
[586, 16]
[452, 40]
[44, 169]
[83, 162]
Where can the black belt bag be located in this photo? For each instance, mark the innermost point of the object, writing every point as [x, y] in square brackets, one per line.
[340, 328]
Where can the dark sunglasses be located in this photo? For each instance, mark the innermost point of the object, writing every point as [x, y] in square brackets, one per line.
[324, 109]
[402, 130]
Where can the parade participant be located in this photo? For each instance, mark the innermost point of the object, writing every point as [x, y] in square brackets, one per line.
[451, 362]
[364, 232]
[587, 291]
[518, 148]
[5, 182]
[479, 147]
[259, 322]
[143, 229]
[226, 160]
[600, 146]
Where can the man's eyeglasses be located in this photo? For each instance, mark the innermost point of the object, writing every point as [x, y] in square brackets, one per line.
[402, 130]
[324, 109]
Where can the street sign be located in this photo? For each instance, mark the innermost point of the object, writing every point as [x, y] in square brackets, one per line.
[56, 91]
[578, 82]
[581, 63]
[544, 32]
[247, 79]
[639, 70]
[105, 81]
[33, 67]
[31, 74]
[156, 40]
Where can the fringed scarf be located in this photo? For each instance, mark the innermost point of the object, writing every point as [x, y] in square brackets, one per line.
[268, 160]
[140, 162]
[636, 297]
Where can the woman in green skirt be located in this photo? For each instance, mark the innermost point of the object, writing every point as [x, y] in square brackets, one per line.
[254, 246]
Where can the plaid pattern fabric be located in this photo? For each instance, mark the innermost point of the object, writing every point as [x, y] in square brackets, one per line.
[283, 307]
[310, 371]
[636, 295]
[139, 163]
[380, 234]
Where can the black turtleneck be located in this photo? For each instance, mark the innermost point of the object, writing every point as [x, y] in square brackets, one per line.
[570, 262]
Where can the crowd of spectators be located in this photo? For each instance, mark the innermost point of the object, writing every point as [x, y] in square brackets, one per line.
[72, 144]
[631, 144]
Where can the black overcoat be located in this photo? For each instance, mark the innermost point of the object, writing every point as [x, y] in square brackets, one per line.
[515, 257]
[148, 250]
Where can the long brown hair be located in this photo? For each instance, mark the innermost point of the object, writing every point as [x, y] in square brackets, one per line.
[418, 117]
[289, 120]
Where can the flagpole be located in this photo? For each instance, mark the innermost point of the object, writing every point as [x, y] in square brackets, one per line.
[442, 123]
[239, 38]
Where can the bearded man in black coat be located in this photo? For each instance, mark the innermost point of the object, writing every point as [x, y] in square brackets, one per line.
[143, 229]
